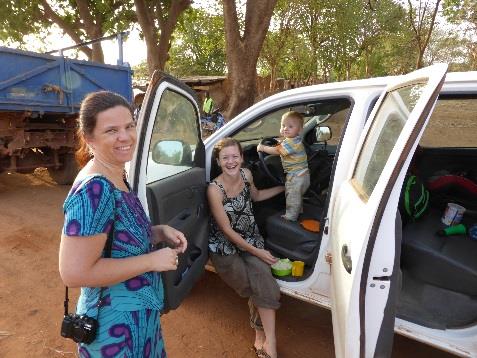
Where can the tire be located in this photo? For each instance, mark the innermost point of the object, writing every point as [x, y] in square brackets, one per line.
[66, 174]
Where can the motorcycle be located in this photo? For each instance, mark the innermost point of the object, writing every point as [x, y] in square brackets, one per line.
[210, 123]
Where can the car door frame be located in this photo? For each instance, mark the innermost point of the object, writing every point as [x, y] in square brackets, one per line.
[383, 343]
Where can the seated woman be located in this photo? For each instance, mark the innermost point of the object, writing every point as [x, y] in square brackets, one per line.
[236, 247]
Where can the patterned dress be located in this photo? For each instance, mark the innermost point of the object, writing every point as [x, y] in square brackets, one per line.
[240, 214]
[129, 323]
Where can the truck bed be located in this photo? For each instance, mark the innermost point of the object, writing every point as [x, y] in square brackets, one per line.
[42, 83]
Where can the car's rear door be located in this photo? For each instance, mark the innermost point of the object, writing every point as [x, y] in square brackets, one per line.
[168, 173]
[364, 221]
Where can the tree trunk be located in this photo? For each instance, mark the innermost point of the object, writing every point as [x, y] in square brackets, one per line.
[158, 45]
[422, 35]
[243, 50]
[143, 13]
[243, 89]
[93, 27]
[67, 28]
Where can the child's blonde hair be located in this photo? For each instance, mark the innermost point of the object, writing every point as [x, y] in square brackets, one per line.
[294, 115]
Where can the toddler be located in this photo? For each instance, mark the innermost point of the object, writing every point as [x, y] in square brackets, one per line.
[294, 161]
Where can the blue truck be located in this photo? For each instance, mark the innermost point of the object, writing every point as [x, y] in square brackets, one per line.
[40, 96]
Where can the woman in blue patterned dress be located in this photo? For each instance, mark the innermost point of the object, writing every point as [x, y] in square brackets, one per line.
[100, 201]
[236, 247]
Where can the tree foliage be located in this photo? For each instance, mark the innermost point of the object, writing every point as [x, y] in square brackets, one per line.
[464, 14]
[199, 45]
[81, 20]
[335, 39]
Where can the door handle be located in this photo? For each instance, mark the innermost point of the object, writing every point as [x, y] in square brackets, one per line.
[346, 258]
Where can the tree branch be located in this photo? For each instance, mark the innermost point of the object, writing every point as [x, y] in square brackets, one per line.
[65, 26]
[431, 26]
[86, 16]
[232, 28]
[147, 24]
[257, 20]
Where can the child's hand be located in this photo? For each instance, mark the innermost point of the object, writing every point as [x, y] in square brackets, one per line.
[260, 147]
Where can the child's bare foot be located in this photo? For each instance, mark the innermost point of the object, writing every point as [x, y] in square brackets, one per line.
[287, 218]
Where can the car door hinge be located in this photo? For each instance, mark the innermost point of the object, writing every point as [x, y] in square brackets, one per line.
[329, 258]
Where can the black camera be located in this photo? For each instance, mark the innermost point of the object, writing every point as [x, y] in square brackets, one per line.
[80, 328]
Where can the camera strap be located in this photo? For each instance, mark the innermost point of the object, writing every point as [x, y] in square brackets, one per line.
[107, 254]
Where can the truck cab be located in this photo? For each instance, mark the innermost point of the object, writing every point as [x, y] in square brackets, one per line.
[377, 270]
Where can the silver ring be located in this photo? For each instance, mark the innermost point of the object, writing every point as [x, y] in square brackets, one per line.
[177, 260]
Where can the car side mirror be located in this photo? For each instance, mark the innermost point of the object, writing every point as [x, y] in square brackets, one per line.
[172, 152]
[323, 134]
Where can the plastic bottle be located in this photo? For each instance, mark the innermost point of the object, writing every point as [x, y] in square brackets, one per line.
[453, 230]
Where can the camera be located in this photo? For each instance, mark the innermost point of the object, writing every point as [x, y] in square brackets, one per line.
[80, 328]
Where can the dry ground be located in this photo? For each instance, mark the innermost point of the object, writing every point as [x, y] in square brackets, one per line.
[212, 322]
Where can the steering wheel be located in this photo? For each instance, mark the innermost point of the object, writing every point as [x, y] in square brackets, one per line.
[271, 164]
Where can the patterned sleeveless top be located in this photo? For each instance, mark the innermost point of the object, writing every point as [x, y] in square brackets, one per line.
[240, 214]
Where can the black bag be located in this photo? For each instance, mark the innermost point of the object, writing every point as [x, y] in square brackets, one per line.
[414, 200]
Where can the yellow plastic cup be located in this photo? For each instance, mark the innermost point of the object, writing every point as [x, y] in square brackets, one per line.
[297, 268]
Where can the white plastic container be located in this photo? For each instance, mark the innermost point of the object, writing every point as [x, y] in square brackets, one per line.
[453, 214]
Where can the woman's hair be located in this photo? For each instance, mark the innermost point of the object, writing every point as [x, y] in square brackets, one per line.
[226, 142]
[92, 105]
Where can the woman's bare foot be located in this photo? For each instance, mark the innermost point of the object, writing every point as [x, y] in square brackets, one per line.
[259, 339]
[270, 349]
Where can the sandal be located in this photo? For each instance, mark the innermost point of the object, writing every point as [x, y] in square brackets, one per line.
[262, 354]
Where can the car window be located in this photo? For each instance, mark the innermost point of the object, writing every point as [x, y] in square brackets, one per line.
[452, 124]
[267, 126]
[174, 137]
[383, 135]
[333, 111]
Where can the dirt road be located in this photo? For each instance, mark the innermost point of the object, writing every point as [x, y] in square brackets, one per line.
[212, 322]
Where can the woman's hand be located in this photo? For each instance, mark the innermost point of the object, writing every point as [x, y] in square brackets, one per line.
[171, 236]
[266, 256]
[163, 260]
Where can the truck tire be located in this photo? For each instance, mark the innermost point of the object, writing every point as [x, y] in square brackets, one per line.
[66, 174]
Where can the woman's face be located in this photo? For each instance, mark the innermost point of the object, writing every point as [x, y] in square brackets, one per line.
[230, 160]
[114, 136]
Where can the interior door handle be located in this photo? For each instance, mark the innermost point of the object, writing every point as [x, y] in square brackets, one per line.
[346, 258]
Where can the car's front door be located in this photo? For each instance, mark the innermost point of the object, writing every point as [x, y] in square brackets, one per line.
[168, 173]
[364, 221]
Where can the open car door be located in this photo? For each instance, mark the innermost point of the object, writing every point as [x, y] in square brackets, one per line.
[168, 174]
[365, 227]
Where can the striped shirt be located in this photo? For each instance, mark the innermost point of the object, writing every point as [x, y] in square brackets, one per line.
[293, 155]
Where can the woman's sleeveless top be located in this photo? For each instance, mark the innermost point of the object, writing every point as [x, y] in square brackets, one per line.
[240, 214]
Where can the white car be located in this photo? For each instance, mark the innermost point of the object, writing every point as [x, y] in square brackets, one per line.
[378, 272]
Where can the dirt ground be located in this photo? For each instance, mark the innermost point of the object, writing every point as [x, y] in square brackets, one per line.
[212, 322]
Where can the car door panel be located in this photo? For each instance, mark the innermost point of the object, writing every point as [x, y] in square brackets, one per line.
[171, 185]
[363, 219]
[179, 202]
